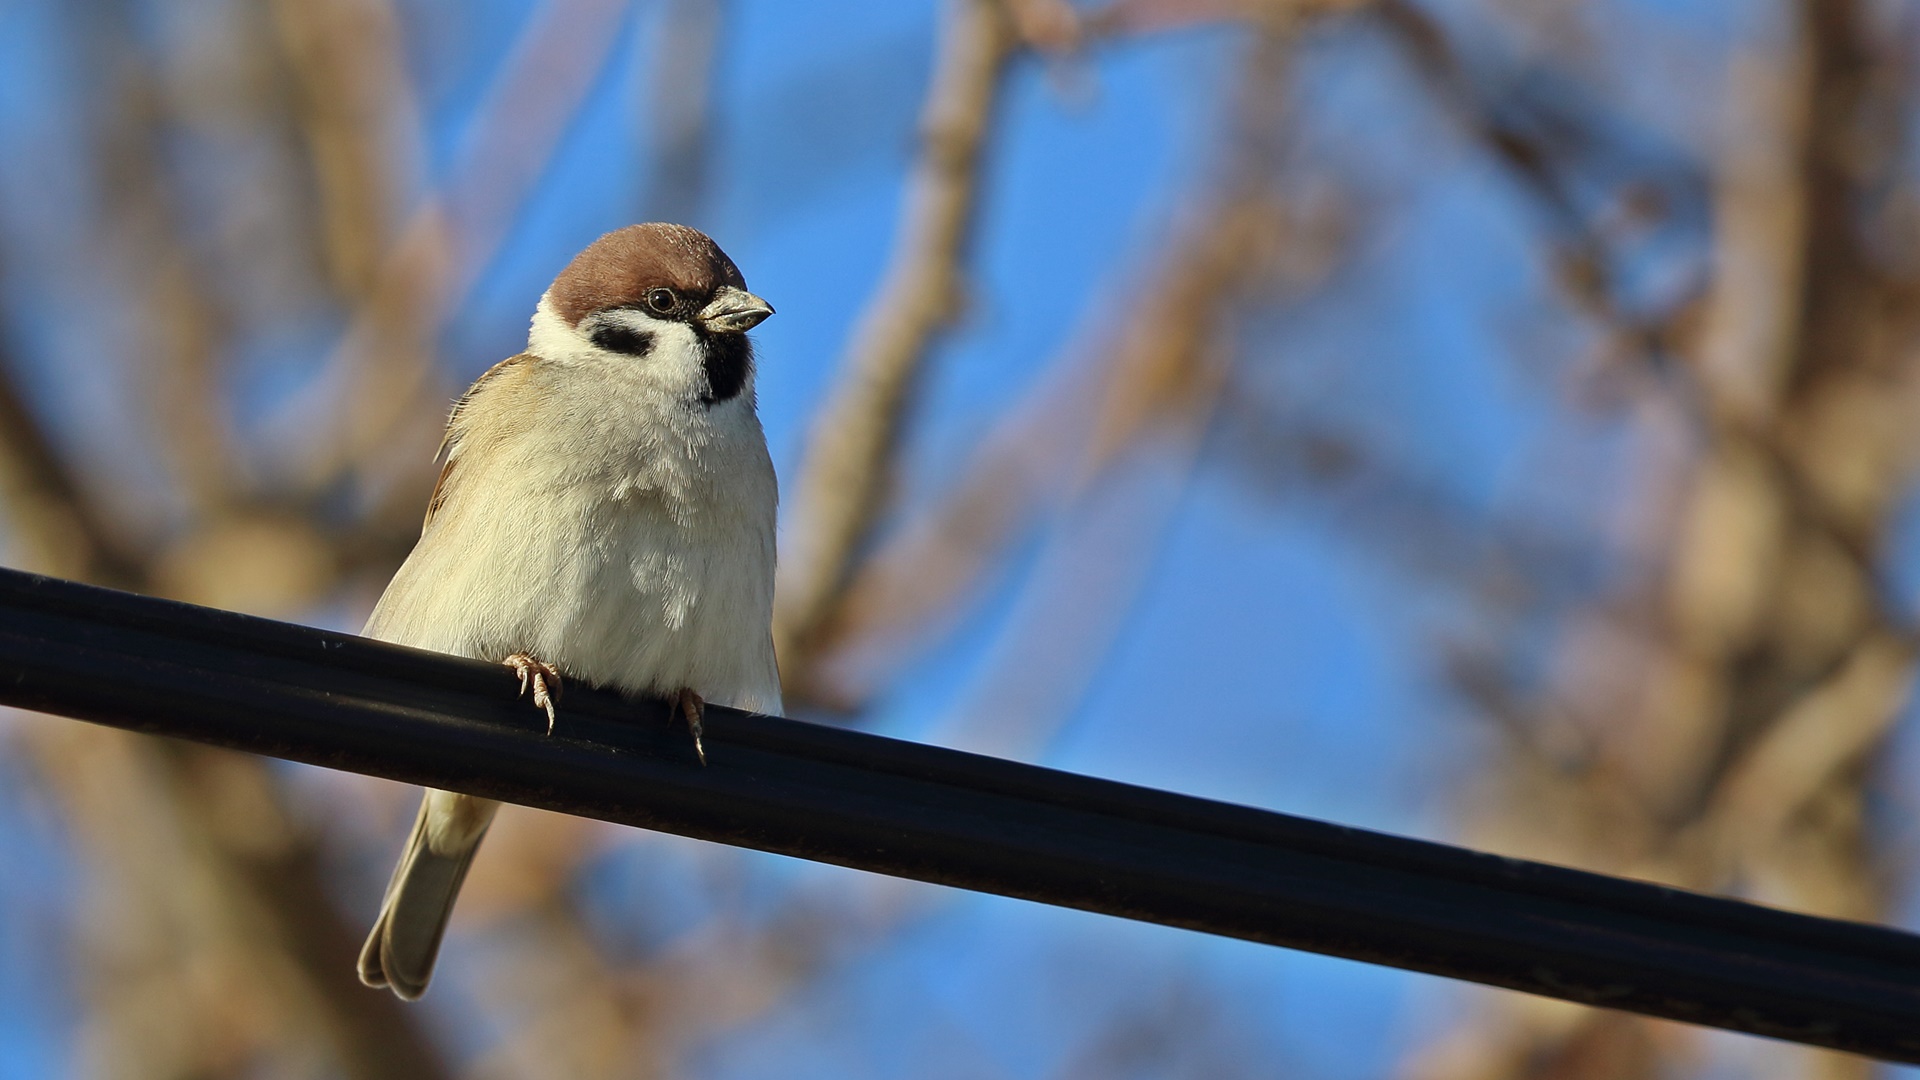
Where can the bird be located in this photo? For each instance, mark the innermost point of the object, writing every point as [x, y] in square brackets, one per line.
[604, 513]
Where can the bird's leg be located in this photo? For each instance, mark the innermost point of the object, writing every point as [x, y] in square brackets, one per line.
[544, 680]
[686, 703]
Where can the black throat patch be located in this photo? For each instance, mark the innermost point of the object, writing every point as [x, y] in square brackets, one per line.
[727, 357]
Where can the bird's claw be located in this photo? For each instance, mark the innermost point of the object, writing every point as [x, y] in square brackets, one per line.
[693, 707]
[544, 680]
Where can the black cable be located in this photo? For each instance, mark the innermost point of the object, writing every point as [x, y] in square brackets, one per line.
[958, 819]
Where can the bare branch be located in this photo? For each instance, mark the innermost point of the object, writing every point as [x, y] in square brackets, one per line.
[849, 459]
[57, 526]
[1158, 372]
[1128, 18]
[370, 406]
[222, 944]
[1822, 739]
[354, 108]
[177, 362]
[214, 938]
[679, 105]
[1765, 671]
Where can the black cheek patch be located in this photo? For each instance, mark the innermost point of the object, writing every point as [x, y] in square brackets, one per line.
[623, 339]
[728, 359]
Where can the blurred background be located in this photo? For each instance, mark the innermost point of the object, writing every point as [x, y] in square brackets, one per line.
[1486, 420]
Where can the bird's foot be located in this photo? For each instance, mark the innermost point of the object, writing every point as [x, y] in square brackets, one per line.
[544, 680]
[686, 703]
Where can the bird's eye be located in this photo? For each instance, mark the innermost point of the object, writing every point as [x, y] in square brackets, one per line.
[662, 300]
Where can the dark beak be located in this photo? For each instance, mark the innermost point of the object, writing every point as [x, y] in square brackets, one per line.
[734, 311]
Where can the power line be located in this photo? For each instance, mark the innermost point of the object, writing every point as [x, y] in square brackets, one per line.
[958, 819]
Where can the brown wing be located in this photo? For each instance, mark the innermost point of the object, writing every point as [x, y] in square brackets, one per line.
[450, 442]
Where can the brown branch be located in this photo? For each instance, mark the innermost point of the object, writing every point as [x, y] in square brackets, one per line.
[286, 920]
[55, 524]
[915, 582]
[127, 815]
[222, 949]
[1767, 673]
[679, 106]
[1132, 18]
[1741, 348]
[581, 1009]
[842, 487]
[376, 407]
[355, 112]
[1165, 364]
[177, 360]
[1822, 738]
[210, 933]
[1159, 371]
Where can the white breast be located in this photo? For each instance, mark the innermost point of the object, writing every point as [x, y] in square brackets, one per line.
[626, 551]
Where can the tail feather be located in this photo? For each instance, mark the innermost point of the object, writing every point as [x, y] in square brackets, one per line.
[405, 941]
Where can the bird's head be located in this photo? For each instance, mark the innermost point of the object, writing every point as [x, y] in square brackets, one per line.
[662, 299]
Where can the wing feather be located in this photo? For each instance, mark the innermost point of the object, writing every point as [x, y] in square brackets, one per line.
[456, 430]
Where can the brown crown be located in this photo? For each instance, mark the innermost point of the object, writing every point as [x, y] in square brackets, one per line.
[618, 269]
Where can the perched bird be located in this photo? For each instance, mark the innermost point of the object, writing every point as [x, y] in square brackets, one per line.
[605, 513]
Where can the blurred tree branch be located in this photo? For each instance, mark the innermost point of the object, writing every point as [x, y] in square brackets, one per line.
[1158, 370]
[365, 410]
[679, 107]
[49, 519]
[1756, 669]
[217, 950]
[843, 482]
[354, 109]
[1162, 369]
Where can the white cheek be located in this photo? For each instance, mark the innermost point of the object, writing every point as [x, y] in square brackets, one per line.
[550, 337]
[673, 363]
[672, 367]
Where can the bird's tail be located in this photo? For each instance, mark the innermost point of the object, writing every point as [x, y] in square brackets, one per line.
[400, 951]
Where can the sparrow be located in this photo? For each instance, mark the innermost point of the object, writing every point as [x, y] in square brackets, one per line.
[604, 512]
